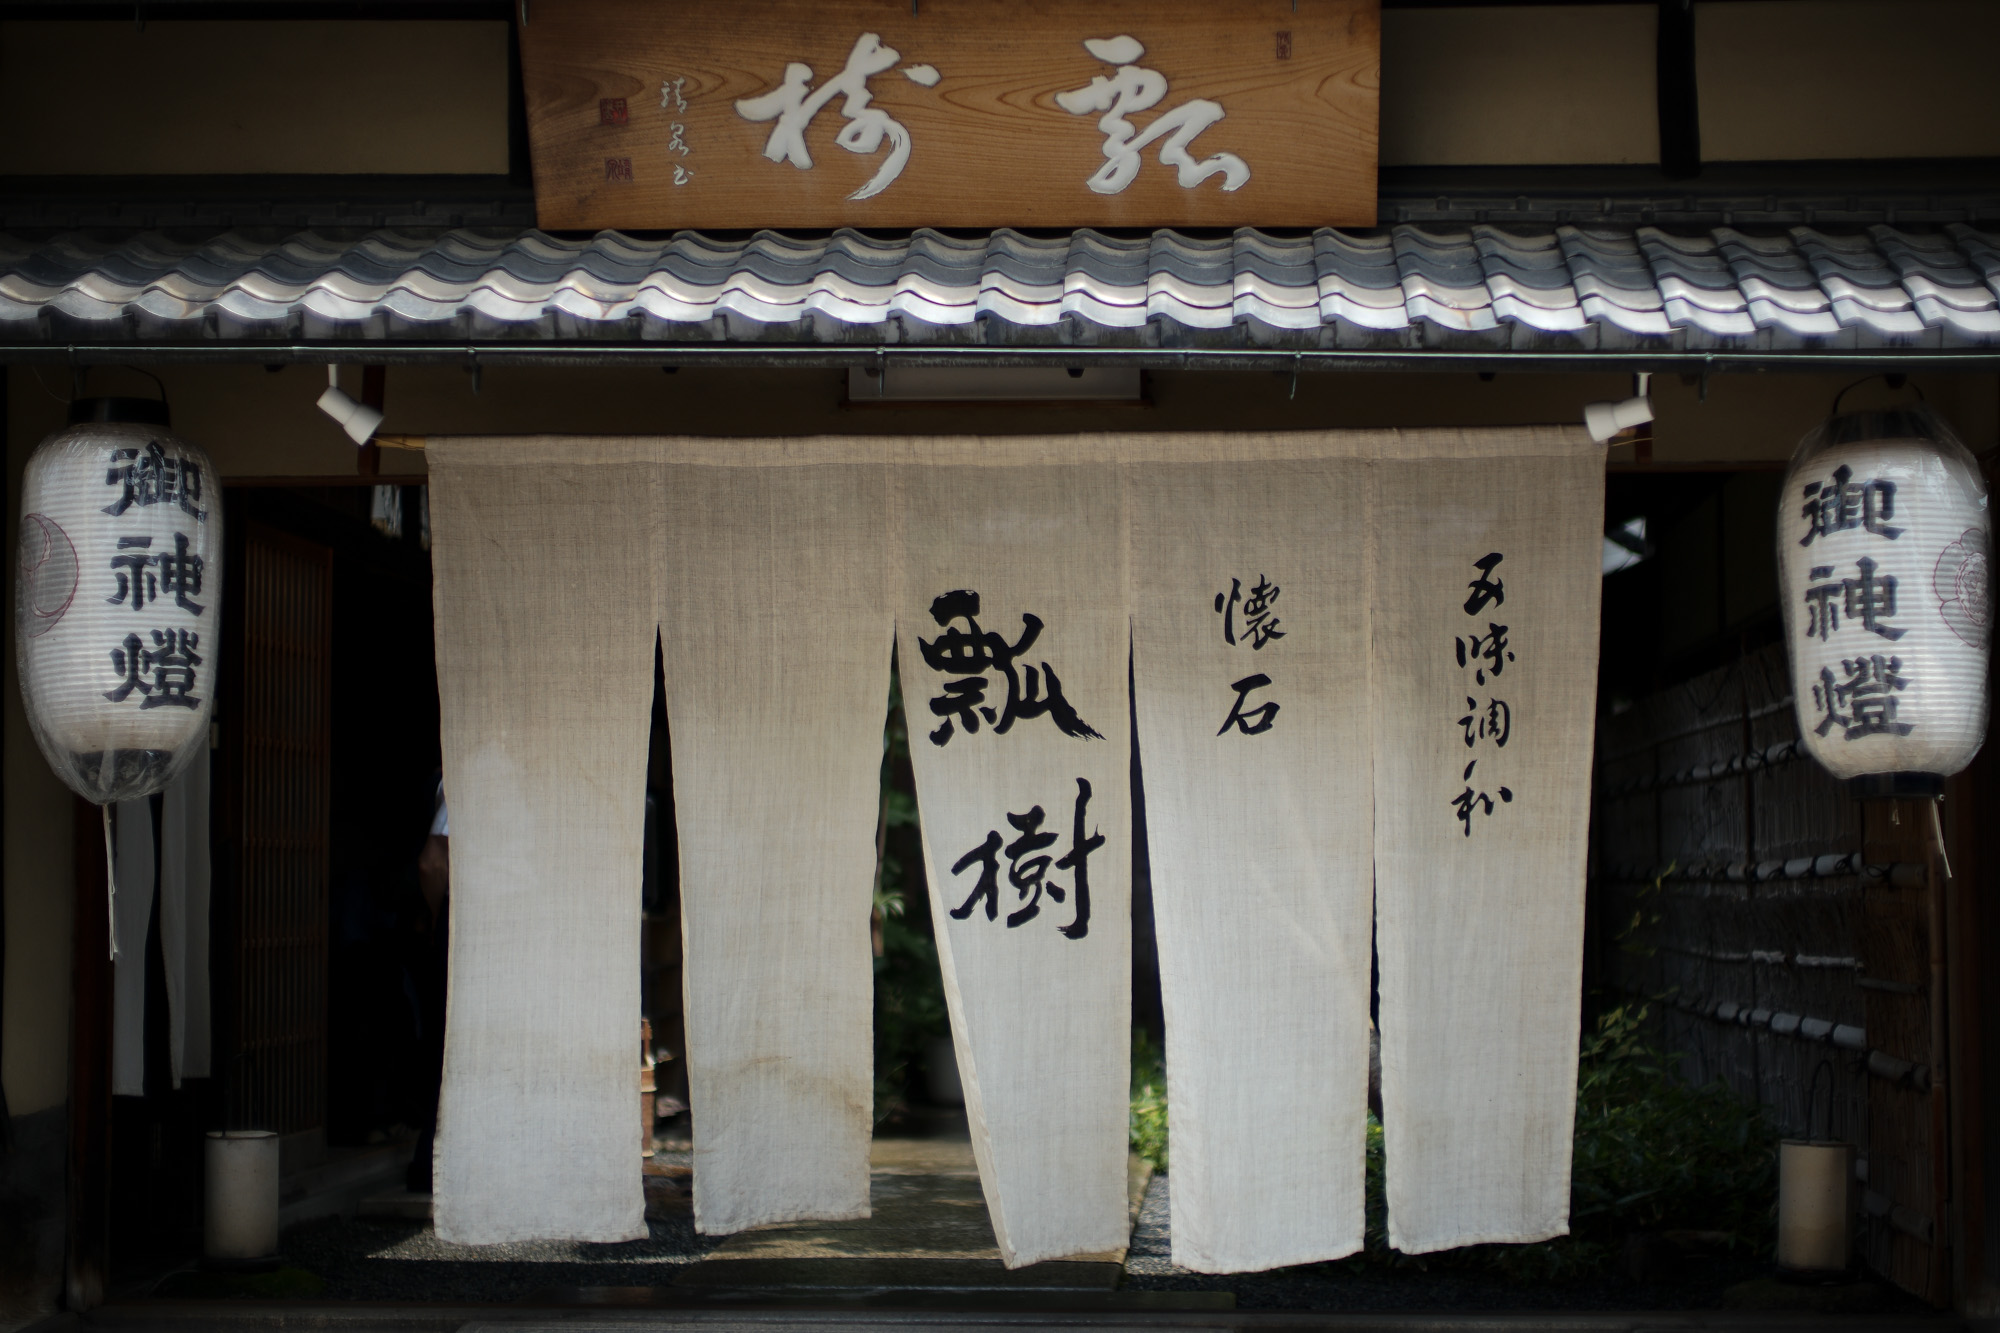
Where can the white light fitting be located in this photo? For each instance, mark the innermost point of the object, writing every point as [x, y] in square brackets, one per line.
[357, 419]
[1604, 420]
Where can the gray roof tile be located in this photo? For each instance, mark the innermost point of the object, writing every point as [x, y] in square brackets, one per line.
[1482, 287]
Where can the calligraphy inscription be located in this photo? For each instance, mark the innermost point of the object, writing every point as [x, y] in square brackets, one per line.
[1492, 721]
[156, 667]
[1249, 621]
[1862, 699]
[961, 114]
[1028, 868]
[971, 655]
[673, 100]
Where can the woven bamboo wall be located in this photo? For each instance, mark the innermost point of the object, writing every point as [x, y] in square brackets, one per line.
[1783, 930]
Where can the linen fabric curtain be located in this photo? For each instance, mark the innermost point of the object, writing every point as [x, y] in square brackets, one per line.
[544, 569]
[1487, 579]
[181, 873]
[1348, 650]
[1251, 573]
[776, 625]
[133, 874]
[1013, 641]
[184, 894]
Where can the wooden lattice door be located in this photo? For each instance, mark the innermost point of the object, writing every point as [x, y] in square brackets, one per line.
[275, 798]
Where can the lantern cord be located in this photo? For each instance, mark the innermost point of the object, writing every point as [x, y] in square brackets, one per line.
[110, 882]
[1937, 828]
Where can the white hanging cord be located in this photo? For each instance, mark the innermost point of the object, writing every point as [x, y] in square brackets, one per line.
[1937, 827]
[110, 882]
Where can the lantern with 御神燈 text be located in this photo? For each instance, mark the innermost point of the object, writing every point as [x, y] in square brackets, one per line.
[1884, 544]
[118, 598]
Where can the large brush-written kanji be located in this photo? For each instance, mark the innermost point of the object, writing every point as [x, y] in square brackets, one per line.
[1012, 636]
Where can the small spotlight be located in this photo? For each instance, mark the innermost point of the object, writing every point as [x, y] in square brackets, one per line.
[357, 419]
[1604, 420]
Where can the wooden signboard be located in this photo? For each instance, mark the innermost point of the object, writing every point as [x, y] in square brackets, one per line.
[659, 114]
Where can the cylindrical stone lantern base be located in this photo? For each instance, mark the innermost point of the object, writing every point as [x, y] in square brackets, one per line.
[242, 1176]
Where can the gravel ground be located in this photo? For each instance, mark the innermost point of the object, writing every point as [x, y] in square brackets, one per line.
[371, 1260]
[379, 1259]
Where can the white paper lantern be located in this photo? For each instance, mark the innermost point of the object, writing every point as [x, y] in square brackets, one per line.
[118, 599]
[1884, 549]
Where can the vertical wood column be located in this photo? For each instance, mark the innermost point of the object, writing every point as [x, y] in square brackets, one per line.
[87, 1269]
[1902, 942]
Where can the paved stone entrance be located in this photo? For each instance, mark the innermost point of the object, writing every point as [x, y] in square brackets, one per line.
[929, 1231]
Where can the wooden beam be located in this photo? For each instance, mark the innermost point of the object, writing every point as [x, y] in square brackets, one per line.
[368, 460]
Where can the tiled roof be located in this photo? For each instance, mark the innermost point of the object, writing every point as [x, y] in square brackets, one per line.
[1404, 287]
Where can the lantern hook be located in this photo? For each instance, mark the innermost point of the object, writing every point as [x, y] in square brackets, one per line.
[1895, 379]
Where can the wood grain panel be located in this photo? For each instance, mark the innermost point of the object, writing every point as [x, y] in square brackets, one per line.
[989, 145]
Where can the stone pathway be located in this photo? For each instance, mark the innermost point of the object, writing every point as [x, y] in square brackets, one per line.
[929, 1230]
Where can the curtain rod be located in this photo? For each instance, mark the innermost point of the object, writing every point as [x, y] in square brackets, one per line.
[870, 356]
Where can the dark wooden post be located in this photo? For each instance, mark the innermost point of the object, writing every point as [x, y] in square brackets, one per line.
[368, 460]
[87, 1270]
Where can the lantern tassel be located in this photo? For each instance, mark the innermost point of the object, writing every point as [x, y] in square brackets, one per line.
[110, 882]
[1937, 828]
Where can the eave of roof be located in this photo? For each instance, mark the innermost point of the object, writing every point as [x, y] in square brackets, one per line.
[1559, 291]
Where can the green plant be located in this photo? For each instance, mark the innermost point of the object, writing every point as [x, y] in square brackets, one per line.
[1147, 1127]
[1645, 916]
[1654, 1152]
[909, 986]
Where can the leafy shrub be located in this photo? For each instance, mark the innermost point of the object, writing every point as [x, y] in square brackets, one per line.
[1656, 1153]
[1148, 1124]
[909, 986]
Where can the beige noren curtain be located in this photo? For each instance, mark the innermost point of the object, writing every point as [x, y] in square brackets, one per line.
[1252, 580]
[776, 623]
[1013, 640]
[545, 574]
